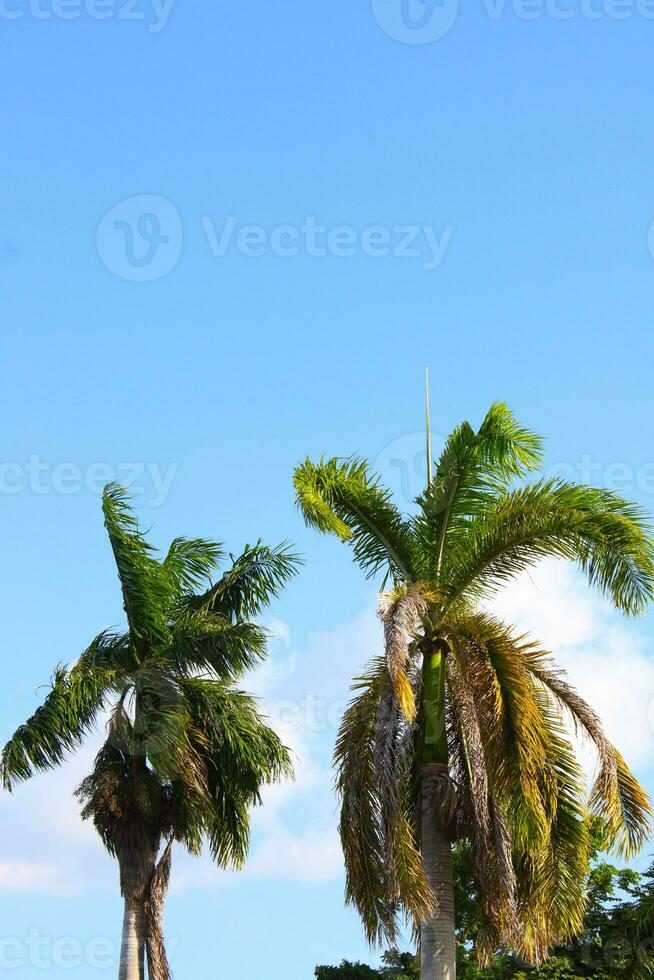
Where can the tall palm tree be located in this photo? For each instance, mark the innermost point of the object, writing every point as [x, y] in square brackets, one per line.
[186, 752]
[460, 729]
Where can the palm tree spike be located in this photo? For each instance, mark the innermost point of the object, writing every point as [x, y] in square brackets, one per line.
[428, 427]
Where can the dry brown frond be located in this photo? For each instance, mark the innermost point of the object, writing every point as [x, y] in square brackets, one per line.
[401, 614]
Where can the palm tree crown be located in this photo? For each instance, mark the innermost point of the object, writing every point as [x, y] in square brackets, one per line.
[459, 689]
[186, 752]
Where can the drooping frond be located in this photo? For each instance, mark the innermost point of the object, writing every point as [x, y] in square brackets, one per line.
[617, 797]
[255, 578]
[190, 562]
[144, 584]
[208, 642]
[532, 777]
[552, 879]
[479, 817]
[516, 735]
[474, 468]
[383, 866]
[401, 613]
[605, 535]
[66, 716]
[239, 754]
[343, 497]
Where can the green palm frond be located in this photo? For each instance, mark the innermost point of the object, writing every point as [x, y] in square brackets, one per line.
[256, 578]
[606, 536]
[343, 497]
[145, 586]
[474, 468]
[190, 563]
[208, 642]
[239, 754]
[67, 714]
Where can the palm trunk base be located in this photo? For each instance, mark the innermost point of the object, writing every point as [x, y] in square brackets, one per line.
[132, 952]
[437, 934]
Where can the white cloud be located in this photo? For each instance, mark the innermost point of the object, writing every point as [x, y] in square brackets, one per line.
[30, 876]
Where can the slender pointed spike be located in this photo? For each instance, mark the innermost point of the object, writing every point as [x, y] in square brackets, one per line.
[428, 427]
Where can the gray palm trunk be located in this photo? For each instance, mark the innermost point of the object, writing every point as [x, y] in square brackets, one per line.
[132, 950]
[437, 935]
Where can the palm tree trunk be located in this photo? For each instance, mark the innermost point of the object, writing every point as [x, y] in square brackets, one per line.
[132, 950]
[438, 805]
[437, 936]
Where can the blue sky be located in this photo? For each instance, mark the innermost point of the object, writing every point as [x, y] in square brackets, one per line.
[511, 157]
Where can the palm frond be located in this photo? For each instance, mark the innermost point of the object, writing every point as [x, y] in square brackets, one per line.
[67, 714]
[144, 584]
[516, 735]
[606, 536]
[206, 641]
[384, 870]
[343, 497]
[240, 754]
[401, 613]
[474, 468]
[551, 881]
[479, 818]
[190, 562]
[256, 578]
[617, 797]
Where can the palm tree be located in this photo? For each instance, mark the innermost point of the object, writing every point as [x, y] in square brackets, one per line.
[459, 731]
[186, 752]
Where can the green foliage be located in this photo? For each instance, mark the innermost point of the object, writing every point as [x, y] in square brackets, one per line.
[523, 808]
[395, 966]
[610, 946]
[187, 752]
